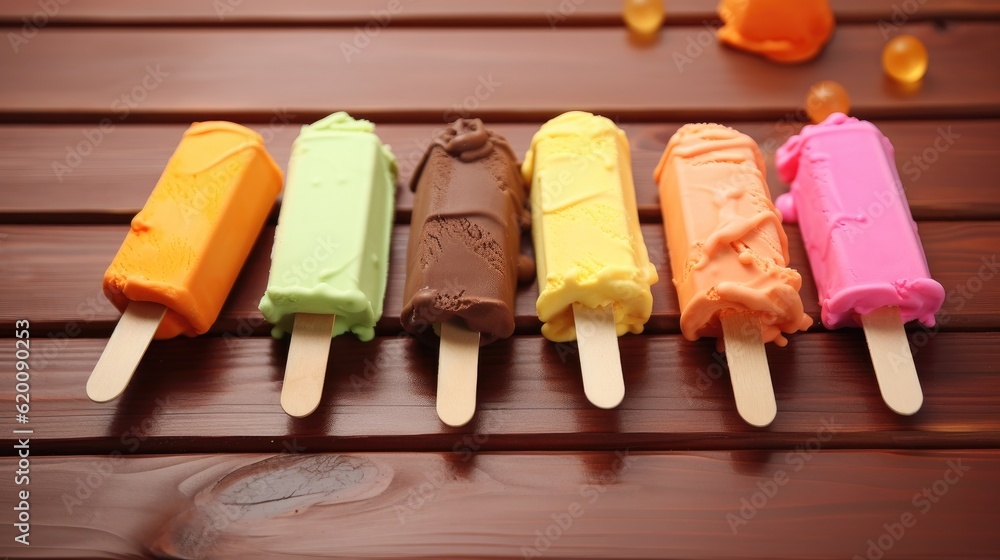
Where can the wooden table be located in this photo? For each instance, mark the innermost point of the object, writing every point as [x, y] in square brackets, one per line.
[197, 459]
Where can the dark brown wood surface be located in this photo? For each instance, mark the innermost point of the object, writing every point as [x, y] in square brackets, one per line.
[623, 504]
[222, 393]
[502, 74]
[446, 12]
[112, 182]
[197, 459]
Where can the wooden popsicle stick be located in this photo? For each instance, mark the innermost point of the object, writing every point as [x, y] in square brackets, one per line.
[125, 349]
[748, 369]
[600, 358]
[305, 370]
[458, 373]
[894, 368]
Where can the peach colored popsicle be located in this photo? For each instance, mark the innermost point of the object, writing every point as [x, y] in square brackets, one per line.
[728, 250]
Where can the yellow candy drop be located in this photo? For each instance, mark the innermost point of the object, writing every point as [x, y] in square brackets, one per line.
[825, 98]
[644, 16]
[904, 58]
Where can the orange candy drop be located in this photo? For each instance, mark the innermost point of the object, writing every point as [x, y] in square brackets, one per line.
[904, 58]
[825, 98]
[644, 16]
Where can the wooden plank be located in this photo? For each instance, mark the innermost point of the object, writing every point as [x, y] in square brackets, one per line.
[444, 12]
[616, 505]
[53, 277]
[541, 73]
[208, 394]
[942, 163]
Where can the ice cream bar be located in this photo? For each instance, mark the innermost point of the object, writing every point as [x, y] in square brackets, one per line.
[782, 30]
[588, 246]
[729, 254]
[331, 249]
[861, 240]
[463, 260]
[187, 245]
[862, 243]
[728, 251]
[589, 250]
[331, 246]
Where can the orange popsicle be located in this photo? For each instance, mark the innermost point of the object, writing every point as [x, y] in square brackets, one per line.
[188, 243]
[728, 251]
[782, 30]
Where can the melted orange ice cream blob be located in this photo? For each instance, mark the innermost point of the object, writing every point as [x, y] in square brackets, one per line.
[782, 30]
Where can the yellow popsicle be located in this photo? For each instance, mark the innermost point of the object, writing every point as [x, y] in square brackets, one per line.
[588, 246]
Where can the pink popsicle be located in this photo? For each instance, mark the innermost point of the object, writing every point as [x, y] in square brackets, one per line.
[861, 239]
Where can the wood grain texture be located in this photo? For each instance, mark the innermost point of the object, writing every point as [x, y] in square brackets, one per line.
[445, 12]
[946, 166]
[541, 73]
[55, 274]
[210, 394]
[623, 504]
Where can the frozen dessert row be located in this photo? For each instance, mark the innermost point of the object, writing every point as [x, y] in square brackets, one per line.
[472, 201]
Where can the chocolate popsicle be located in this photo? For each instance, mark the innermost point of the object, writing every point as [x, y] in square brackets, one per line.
[463, 261]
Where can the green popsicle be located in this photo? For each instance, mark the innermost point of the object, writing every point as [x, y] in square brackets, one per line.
[331, 249]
